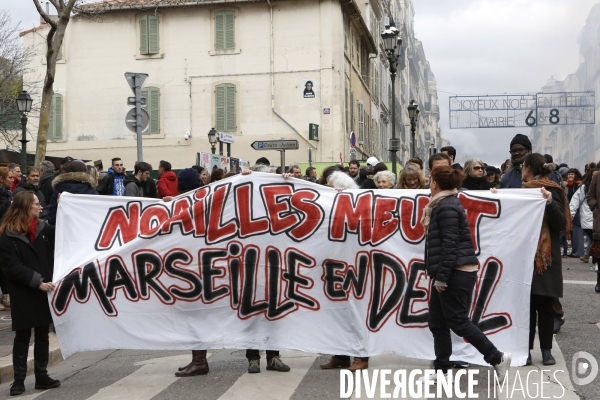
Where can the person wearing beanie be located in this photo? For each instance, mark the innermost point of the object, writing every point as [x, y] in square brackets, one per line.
[492, 176]
[520, 146]
[188, 179]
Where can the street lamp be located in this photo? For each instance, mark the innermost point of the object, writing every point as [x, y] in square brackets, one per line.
[24, 103]
[413, 114]
[393, 45]
[212, 139]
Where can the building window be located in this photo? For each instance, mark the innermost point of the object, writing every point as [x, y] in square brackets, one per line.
[361, 122]
[224, 31]
[149, 43]
[225, 107]
[152, 95]
[55, 131]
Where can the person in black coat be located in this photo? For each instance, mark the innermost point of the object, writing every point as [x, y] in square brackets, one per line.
[27, 254]
[6, 195]
[369, 183]
[475, 177]
[547, 282]
[74, 180]
[451, 262]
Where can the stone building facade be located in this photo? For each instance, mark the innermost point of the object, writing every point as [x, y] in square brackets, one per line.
[576, 145]
[255, 69]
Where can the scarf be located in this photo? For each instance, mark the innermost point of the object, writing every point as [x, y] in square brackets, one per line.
[31, 230]
[433, 204]
[543, 254]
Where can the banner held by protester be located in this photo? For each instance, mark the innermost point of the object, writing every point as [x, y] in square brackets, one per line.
[265, 262]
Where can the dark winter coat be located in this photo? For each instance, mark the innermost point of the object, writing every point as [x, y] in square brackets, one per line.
[25, 267]
[72, 182]
[593, 200]
[369, 183]
[473, 183]
[6, 198]
[551, 282]
[448, 244]
[35, 189]
[167, 184]
[511, 179]
[150, 189]
[106, 186]
[45, 186]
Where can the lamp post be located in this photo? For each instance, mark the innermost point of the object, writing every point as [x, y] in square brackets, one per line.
[24, 103]
[413, 113]
[393, 45]
[212, 139]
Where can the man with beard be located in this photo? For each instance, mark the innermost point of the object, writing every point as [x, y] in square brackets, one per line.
[520, 146]
[353, 168]
[31, 182]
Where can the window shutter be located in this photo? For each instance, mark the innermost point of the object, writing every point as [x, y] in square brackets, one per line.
[52, 118]
[361, 123]
[220, 107]
[152, 95]
[144, 34]
[153, 44]
[58, 120]
[229, 31]
[55, 120]
[225, 107]
[230, 110]
[154, 108]
[219, 31]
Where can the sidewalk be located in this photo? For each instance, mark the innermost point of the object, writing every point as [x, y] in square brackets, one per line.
[6, 344]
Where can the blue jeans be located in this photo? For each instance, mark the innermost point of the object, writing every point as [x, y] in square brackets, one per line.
[577, 241]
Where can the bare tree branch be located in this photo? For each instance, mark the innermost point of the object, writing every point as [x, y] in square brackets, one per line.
[55, 4]
[14, 62]
[43, 14]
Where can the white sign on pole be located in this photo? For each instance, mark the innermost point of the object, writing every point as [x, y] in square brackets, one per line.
[225, 138]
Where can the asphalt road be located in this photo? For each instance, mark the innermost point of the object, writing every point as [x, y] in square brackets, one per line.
[149, 374]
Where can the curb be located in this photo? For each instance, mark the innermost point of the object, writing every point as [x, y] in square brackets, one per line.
[6, 366]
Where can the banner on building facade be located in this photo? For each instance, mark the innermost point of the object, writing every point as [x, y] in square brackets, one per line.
[260, 261]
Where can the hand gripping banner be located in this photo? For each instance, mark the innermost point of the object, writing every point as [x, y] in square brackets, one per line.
[264, 262]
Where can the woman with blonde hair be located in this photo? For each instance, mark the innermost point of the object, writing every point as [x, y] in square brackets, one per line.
[27, 253]
[411, 177]
[475, 177]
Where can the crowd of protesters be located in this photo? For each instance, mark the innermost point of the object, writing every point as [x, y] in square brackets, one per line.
[28, 213]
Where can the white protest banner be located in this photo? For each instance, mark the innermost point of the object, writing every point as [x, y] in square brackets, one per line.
[264, 262]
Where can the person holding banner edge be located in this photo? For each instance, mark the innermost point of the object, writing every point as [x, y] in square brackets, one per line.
[451, 262]
[27, 253]
[547, 282]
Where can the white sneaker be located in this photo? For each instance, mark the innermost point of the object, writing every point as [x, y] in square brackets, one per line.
[502, 368]
[432, 376]
[594, 267]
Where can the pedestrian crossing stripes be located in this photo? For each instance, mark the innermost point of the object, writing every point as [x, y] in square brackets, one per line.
[155, 379]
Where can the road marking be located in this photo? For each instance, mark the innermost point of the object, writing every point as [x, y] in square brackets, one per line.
[261, 386]
[33, 396]
[551, 374]
[581, 282]
[145, 383]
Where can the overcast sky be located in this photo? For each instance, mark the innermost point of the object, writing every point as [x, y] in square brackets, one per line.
[495, 47]
[477, 47]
